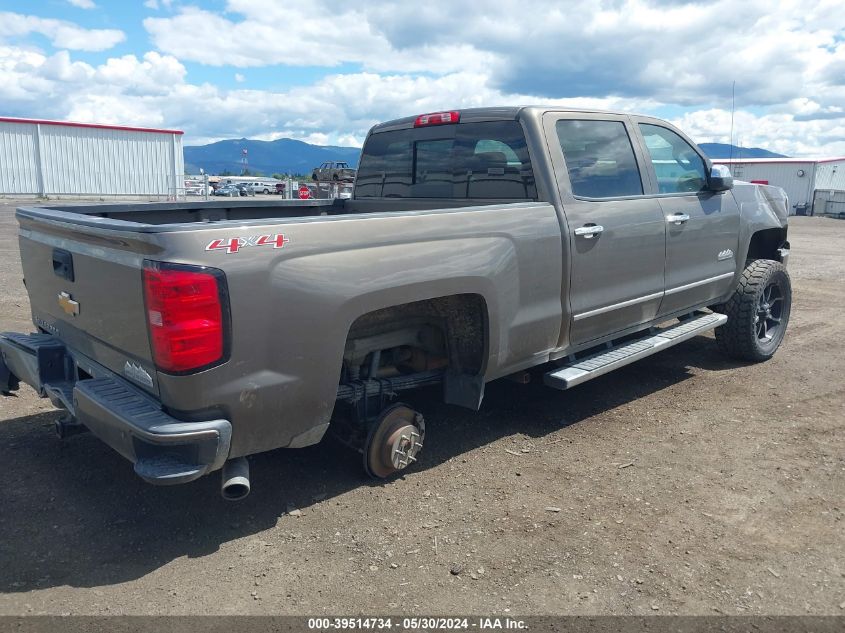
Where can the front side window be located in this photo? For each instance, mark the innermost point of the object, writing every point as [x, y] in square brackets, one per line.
[678, 167]
[599, 158]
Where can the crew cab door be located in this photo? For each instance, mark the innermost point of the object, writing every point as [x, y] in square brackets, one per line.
[616, 233]
[702, 227]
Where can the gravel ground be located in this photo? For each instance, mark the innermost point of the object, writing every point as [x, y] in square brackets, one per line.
[684, 483]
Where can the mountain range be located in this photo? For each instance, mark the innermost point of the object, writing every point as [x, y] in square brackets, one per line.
[724, 150]
[282, 156]
[288, 156]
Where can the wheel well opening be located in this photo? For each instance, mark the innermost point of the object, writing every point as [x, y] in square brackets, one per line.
[445, 333]
[765, 244]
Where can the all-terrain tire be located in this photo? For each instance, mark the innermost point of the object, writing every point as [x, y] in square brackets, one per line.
[758, 312]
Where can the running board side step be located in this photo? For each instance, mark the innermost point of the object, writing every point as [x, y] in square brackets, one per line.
[581, 370]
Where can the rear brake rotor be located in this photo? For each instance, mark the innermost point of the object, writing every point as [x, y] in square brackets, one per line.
[394, 441]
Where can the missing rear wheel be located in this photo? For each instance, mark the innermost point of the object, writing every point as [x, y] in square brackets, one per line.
[394, 441]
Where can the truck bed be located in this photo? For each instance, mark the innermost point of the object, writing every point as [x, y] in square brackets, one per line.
[302, 274]
[158, 216]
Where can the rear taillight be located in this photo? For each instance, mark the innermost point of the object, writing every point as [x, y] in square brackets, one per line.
[437, 118]
[187, 316]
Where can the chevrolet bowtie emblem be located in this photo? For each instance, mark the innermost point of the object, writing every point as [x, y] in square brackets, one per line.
[67, 304]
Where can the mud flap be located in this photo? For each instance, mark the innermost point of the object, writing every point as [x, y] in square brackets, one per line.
[463, 390]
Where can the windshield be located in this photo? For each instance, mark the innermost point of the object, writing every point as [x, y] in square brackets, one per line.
[487, 160]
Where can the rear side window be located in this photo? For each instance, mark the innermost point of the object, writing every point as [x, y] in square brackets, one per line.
[600, 159]
[678, 167]
[487, 160]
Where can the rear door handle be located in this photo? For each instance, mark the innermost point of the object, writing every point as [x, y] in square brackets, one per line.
[589, 231]
[677, 218]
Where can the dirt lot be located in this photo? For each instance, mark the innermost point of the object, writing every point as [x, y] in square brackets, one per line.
[686, 484]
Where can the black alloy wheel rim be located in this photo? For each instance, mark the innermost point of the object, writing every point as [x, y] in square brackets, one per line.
[768, 320]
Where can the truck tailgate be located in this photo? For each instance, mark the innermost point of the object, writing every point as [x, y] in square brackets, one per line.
[86, 288]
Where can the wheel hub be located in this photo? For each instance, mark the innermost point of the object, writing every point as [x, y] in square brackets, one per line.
[405, 445]
[394, 441]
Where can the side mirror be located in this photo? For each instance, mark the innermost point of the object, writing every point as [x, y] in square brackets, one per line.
[720, 178]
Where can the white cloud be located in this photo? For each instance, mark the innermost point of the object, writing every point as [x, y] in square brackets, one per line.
[153, 90]
[60, 33]
[83, 4]
[348, 37]
[778, 132]
[788, 64]
[153, 75]
[676, 51]
[636, 55]
[339, 109]
[122, 90]
[61, 68]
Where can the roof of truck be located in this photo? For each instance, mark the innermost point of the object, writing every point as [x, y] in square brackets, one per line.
[494, 113]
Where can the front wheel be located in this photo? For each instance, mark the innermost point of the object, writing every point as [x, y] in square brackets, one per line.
[758, 312]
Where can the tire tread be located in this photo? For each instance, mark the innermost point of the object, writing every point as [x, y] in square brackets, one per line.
[737, 337]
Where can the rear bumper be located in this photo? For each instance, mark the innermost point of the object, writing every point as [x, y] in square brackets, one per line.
[163, 449]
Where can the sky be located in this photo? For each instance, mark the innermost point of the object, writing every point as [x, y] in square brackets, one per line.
[326, 71]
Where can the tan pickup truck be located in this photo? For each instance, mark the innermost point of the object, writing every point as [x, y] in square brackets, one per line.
[478, 244]
[337, 171]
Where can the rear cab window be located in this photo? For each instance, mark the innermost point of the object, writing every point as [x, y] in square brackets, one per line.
[479, 160]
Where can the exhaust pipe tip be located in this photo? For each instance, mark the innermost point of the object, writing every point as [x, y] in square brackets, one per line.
[235, 482]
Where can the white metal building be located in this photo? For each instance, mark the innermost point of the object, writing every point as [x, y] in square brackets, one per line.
[61, 158]
[801, 178]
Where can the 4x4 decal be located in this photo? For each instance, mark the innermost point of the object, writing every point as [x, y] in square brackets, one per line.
[234, 244]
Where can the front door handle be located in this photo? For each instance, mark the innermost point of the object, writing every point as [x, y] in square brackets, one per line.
[677, 218]
[589, 231]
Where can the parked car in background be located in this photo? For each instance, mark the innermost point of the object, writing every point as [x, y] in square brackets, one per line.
[245, 189]
[195, 188]
[263, 186]
[227, 190]
[199, 190]
[334, 170]
[280, 188]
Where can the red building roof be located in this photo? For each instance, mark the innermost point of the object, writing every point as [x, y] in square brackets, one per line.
[99, 126]
[814, 159]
